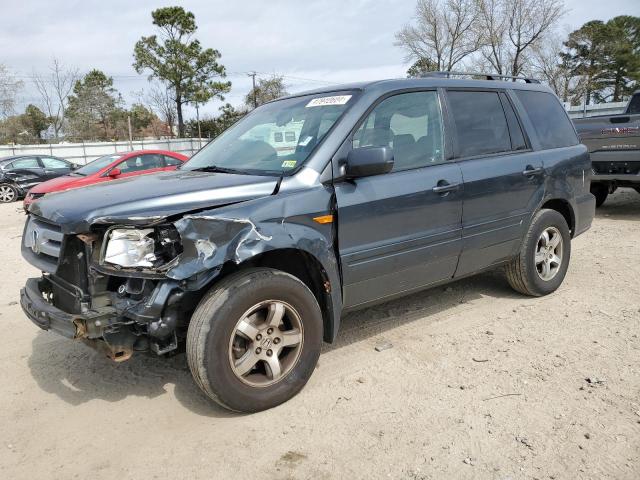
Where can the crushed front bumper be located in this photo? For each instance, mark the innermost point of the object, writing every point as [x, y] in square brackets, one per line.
[116, 330]
[88, 327]
[48, 317]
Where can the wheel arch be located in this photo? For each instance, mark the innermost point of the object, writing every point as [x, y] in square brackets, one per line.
[306, 268]
[564, 208]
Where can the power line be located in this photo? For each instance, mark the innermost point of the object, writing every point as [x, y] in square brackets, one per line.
[229, 74]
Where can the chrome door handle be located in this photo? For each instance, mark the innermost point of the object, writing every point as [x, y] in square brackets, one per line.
[444, 187]
[530, 171]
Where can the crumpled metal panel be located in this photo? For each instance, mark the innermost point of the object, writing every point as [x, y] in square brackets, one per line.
[239, 232]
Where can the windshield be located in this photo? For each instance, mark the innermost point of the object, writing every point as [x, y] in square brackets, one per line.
[97, 165]
[275, 138]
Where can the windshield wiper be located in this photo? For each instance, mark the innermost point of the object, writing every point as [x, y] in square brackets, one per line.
[216, 169]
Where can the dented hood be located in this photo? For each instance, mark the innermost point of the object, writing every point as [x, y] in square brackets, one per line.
[147, 198]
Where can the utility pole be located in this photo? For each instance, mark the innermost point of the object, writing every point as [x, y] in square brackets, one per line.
[130, 132]
[199, 131]
[253, 78]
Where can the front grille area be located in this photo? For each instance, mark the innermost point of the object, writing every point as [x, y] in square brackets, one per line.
[616, 168]
[41, 243]
[71, 280]
[63, 258]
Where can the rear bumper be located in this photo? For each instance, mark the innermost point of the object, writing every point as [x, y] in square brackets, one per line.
[616, 166]
[616, 178]
[585, 210]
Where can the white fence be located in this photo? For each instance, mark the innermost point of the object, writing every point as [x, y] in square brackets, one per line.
[82, 153]
[611, 108]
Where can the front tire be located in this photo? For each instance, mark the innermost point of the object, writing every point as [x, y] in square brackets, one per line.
[254, 339]
[8, 193]
[543, 260]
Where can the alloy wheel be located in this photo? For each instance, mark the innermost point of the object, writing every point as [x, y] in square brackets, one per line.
[266, 343]
[7, 194]
[548, 256]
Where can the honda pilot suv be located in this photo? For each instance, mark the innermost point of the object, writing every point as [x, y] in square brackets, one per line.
[250, 253]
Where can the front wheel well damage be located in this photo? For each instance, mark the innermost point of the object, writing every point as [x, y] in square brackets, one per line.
[563, 208]
[301, 265]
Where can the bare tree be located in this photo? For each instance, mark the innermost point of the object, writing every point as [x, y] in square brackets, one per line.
[511, 29]
[548, 65]
[493, 23]
[444, 32]
[161, 100]
[54, 89]
[529, 21]
[9, 88]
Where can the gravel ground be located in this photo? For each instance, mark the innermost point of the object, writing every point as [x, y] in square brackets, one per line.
[480, 382]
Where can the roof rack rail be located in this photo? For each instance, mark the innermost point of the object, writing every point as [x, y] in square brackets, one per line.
[486, 76]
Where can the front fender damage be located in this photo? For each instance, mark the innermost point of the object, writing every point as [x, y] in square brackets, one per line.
[243, 231]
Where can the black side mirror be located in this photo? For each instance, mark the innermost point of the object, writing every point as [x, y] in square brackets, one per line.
[368, 161]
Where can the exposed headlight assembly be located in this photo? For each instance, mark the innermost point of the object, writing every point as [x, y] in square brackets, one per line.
[141, 248]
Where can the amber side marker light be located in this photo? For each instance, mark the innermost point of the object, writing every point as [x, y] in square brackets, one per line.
[323, 219]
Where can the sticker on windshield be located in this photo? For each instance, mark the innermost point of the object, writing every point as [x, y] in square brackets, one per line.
[305, 142]
[326, 101]
[289, 164]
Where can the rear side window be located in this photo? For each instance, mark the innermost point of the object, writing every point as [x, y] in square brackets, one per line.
[171, 162]
[480, 122]
[49, 162]
[550, 121]
[25, 163]
[634, 105]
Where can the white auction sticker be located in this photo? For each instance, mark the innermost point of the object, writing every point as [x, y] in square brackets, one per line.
[325, 101]
[305, 142]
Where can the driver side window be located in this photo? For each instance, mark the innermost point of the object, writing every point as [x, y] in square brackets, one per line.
[409, 123]
[141, 163]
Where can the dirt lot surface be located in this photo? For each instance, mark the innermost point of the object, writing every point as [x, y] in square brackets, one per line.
[480, 382]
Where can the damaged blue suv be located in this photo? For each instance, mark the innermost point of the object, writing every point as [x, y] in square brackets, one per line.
[311, 206]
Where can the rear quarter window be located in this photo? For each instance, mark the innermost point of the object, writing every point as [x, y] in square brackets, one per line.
[481, 124]
[171, 162]
[550, 121]
[634, 104]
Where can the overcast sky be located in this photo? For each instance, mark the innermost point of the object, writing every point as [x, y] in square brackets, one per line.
[313, 43]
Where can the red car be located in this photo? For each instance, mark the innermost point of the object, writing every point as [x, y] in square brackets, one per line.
[109, 167]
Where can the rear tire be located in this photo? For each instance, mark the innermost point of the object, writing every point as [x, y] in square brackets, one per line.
[8, 193]
[601, 192]
[254, 339]
[541, 265]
